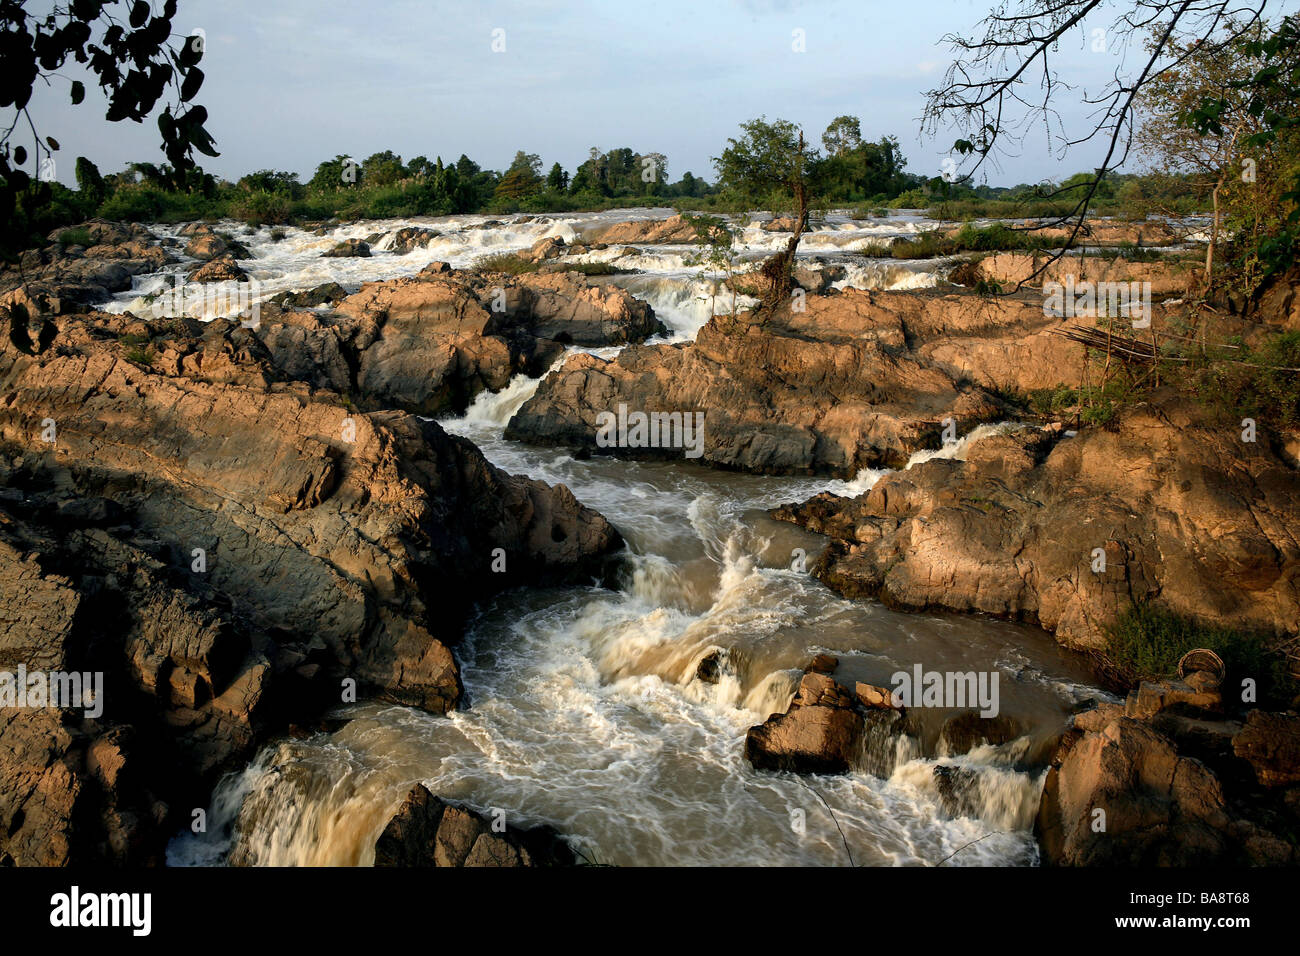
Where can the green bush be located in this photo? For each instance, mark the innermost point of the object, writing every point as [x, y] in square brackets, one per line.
[1147, 642]
[76, 237]
[510, 263]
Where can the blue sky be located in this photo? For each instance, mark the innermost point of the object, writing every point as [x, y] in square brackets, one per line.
[292, 82]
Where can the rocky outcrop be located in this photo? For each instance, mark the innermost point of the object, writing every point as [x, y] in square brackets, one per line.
[234, 550]
[855, 380]
[675, 229]
[221, 269]
[428, 831]
[1173, 787]
[67, 276]
[206, 244]
[430, 343]
[1167, 506]
[1165, 277]
[348, 249]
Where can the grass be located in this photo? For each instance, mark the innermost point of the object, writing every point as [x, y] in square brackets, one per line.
[1147, 642]
[141, 356]
[595, 268]
[76, 237]
[511, 263]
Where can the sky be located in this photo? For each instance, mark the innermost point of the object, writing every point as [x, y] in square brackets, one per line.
[290, 83]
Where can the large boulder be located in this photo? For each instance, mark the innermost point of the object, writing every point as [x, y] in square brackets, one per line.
[427, 831]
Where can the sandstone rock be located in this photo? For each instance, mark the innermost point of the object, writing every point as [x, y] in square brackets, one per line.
[410, 238]
[335, 544]
[1159, 808]
[427, 831]
[672, 230]
[223, 269]
[833, 390]
[1184, 511]
[1270, 743]
[820, 733]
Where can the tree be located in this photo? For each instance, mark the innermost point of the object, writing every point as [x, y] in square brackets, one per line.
[35, 48]
[335, 173]
[522, 179]
[90, 182]
[842, 135]
[557, 179]
[1000, 85]
[769, 167]
[1208, 71]
[383, 168]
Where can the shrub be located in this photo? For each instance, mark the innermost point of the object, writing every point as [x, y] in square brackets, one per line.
[1147, 642]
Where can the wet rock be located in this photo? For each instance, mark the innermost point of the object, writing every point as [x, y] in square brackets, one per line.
[326, 293]
[873, 697]
[223, 269]
[958, 789]
[964, 732]
[820, 733]
[823, 664]
[207, 244]
[411, 238]
[552, 247]
[349, 248]
[427, 831]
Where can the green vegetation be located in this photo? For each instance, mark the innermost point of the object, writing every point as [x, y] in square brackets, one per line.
[1147, 642]
[75, 237]
[511, 263]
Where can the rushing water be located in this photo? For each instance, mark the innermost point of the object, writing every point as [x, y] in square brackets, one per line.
[583, 706]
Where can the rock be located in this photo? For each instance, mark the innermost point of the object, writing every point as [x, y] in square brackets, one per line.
[326, 293]
[1159, 808]
[820, 733]
[958, 789]
[207, 244]
[348, 248]
[1187, 515]
[552, 247]
[964, 732]
[830, 390]
[223, 269]
[1270, 743]
[67, 278]
[1010, 268]
[427, 831]
[334, 545]
[875, 697]
[1152, 697]
[780, 224]
[429, 344]
[824, 664]
[672, 230]
[410, 238]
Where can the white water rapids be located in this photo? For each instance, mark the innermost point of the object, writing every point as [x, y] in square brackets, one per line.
[582, 707]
